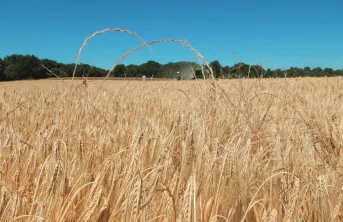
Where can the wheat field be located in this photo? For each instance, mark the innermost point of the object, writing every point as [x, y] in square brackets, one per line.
[228, 150]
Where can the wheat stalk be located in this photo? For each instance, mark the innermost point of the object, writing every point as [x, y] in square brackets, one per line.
[337, 207]
[99, 33]
[92, 203]
[208, 210]
[137, 196]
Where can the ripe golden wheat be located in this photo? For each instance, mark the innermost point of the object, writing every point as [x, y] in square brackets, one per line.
[242, 150]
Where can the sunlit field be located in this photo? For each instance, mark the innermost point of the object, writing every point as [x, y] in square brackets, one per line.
[227, 150]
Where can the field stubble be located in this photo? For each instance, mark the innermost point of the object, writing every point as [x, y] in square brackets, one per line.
[246, 150]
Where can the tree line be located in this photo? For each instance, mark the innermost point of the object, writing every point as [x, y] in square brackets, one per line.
[19, 67]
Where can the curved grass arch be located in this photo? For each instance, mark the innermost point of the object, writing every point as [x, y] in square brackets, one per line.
[103, 32]
[184, 43]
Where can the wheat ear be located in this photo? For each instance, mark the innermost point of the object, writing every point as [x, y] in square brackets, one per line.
[208, 210]
[337, 207]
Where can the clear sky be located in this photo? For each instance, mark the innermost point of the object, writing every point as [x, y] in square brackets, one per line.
[277, 33]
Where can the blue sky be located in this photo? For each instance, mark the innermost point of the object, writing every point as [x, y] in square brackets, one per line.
[276, 33]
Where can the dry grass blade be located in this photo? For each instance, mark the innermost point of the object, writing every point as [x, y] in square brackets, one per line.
[181, 42]
[337, 207]
[99, 33]
[92, 203]
[208, 210]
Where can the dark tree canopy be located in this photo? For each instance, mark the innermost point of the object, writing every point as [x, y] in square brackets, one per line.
[132, 70]
[119, 71]
[17, 67]
[2, 69]
[216, 66]
[150, 68]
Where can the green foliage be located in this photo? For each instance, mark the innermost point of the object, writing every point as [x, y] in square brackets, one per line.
[225, 70]
[2, 69]
[216, 67]
[50, 64]
[39, 73]
[23, 67]
[97, 72]
[150, 68]
[131, 70]
[338, 72]
[68, 68]
[268, 74]
[17, 67]
[119, 71]
[11, 72]
[329, 71]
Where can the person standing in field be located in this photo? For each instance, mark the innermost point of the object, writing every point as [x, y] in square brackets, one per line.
[144, 78]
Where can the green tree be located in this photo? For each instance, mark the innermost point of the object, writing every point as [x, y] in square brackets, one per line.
[97, 72]
[256, 71]
[39, 73]
[307, 69]
[68, 68]
[150, 68]
[119, 70]
[62, 74]
[15, 67]
[318, 69]
[317, 72]
[328, 72]
[170, 70]
[277, 73]
[295, 72]
[131, 70]
[23, 67]
[338, 72]
[240, 70]
[268, 73]
[216, 67]
[226, 69]
[48, 63]
[2, 68]
[11, 72]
